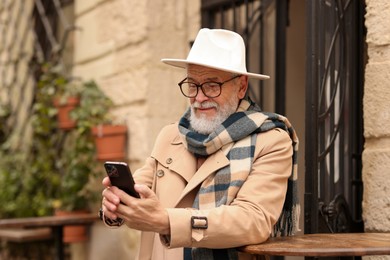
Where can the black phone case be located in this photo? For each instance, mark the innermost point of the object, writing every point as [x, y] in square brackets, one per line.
[120, 176]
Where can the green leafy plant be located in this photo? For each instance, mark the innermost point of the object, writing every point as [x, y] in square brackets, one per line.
[78, 163]
[54, 83]
[29, 180]
[76, 166]
[94, 107]
[19, 190]
[55, 170]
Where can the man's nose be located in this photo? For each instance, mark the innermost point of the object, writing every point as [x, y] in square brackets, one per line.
[200, 97]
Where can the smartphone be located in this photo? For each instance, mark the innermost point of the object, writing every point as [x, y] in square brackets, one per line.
[120, 176]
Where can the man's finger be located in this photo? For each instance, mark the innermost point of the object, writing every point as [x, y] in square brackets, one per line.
[143, 191]
[109, 194]
[106, 182]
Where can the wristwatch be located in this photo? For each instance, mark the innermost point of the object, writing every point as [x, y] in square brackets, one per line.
[110, 222]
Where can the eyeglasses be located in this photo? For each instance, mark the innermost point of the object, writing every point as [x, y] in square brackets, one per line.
[210, 89]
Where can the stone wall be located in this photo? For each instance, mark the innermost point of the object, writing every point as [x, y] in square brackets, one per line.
[16, 79]
[119, 44]
[376, 155]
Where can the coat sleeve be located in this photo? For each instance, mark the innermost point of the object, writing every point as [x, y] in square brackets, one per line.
[250, 217]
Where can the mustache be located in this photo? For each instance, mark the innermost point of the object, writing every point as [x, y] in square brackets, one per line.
[206, 104]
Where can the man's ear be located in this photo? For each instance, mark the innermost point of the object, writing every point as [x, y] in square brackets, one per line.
[243, 86]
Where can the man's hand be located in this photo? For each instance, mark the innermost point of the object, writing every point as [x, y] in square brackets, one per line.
[145, 214]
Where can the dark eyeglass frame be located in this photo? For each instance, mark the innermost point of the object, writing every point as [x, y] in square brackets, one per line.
[201, 86]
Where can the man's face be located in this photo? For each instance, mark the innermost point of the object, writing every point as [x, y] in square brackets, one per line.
[208, 113]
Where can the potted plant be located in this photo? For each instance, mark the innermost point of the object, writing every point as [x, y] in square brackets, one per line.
[65, 92]
[81, 149]
[65, 105]
[76, 168]
[53, 172]
[110, 141]
[31, 168]
[92, 113]
[73, 161]
[61, 160]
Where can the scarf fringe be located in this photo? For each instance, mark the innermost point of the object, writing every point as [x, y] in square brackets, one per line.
[288, 223]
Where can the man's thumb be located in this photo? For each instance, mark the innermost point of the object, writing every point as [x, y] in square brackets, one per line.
[143, 190]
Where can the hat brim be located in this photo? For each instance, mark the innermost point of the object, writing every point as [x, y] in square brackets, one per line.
[184, 63]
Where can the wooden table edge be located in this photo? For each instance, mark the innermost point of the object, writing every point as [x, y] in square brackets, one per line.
[48, 221]
[299, 245]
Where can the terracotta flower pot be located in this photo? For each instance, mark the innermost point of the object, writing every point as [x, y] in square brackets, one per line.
[64, 120]
[76, 233]
[110, 141]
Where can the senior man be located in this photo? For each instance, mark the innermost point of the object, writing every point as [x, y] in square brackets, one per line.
[219, 178]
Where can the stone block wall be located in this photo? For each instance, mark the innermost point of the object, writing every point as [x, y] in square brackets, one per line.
[16, 79]
[119, 44]
[376, 155]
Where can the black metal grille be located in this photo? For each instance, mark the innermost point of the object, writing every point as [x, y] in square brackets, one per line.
[256, 21]
[334, 136]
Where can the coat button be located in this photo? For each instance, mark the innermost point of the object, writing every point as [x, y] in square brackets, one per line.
[169, 161]
[160, 173]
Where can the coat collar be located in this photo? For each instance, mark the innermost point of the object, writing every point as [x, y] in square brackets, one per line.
[213, 163]
[177, 158]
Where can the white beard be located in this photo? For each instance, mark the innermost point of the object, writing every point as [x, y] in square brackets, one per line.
[204, 125]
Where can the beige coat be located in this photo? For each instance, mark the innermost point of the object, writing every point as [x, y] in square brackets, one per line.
[171, 173]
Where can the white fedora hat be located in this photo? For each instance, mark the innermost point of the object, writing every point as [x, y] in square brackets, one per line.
[218, 49]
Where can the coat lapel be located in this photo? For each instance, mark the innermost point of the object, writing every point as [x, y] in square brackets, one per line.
[183, 163]
[213, 163]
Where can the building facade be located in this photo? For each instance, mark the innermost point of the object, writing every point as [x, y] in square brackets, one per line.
[119, 43]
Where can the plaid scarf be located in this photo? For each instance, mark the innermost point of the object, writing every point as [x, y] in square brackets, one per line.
[236, 136]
